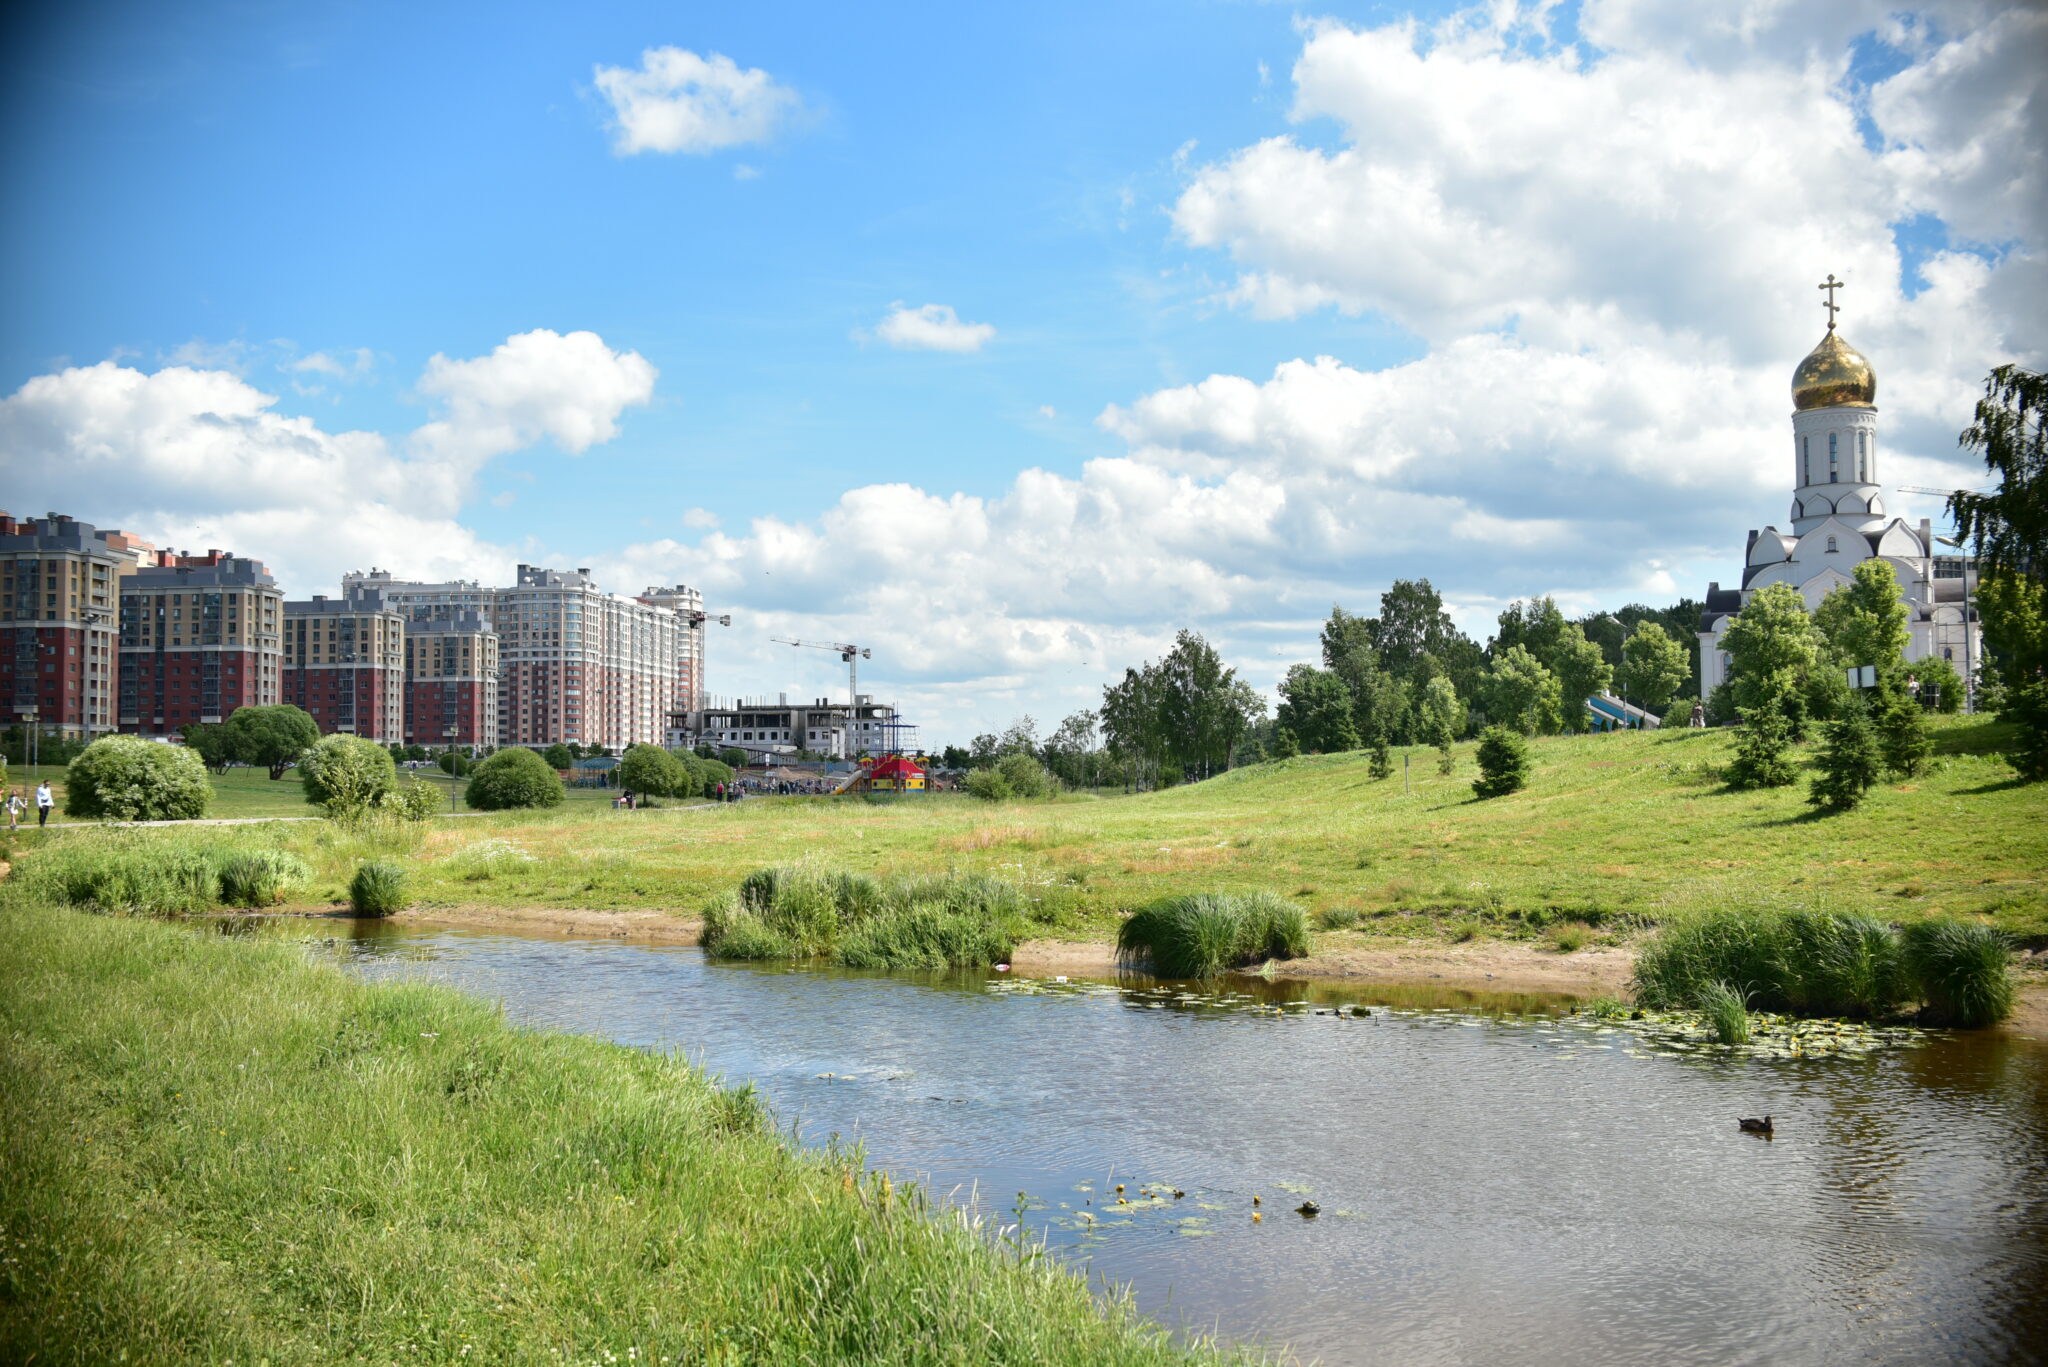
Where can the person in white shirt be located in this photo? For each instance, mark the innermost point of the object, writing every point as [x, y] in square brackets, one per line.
[45, 800]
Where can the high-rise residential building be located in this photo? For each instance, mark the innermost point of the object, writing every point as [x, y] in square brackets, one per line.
[345, 663]
[688, 606]
[60, 598]
[451, 680]
[574, 663]
[200, 636]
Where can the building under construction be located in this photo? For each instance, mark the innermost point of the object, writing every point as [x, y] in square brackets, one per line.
[781, 729]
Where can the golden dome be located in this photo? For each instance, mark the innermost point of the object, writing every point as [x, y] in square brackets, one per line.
[1834, 375]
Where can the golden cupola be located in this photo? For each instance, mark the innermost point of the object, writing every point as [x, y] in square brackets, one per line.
[1834, 375]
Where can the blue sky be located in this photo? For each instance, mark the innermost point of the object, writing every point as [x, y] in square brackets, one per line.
[1556, 352]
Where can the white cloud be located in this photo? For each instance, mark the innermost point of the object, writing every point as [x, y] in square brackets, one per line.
[699, 517]
[196, 457]
[931, 327]
[348, 365]
[677, 101]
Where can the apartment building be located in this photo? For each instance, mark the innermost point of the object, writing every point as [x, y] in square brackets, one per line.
[60, 597]
[345, 663]
[574, 663]
[451, 680]
[200, 636]
[688, 606]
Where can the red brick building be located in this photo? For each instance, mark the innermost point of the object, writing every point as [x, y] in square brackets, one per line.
[60, 595]
[344, 662]
[451, 680]
[199, 638]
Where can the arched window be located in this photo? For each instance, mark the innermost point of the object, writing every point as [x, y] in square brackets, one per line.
[1831, 545]
[1831, 457]
[1806, 460]
[1863, 457]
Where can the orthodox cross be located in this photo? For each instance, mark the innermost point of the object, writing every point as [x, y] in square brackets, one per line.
[1831, 286]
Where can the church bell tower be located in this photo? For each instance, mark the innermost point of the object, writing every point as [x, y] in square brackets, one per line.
[1834, 434]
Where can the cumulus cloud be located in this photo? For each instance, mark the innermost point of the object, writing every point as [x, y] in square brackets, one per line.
[202, 457]
[931, 327]
[677, 101]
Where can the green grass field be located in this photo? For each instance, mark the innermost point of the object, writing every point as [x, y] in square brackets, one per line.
[1614, 831]
[243, 792]
[222, 1152]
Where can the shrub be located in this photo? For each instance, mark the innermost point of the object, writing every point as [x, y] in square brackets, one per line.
[1763, 751]
[926, 935]
[1842, 964]
[1026, 777]
[1201, 934]
[378, 888]
[1848, 763]
[1337, 918]
[126, 778]
[1963, 971]
[414, 801]
[2027, 705]
[1570, 937]
[347, 777]
[1381, 765]
[513, 778]
[1503, 763]
[1743, 948]
[260, 878]
[1446, 762]
[990, 786]
[1726, 1012]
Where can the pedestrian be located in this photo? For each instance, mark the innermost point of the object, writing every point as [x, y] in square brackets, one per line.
[45, 800]
[16, 805]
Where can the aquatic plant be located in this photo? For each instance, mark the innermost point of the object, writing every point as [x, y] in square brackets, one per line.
[1726, 1011]
[377, 889]
[920, 921]
[1964, 972]
[260, 878]
[1201, 934]
[1607, 1008]
[1740, 947]
[1842, 964]
[926, 935]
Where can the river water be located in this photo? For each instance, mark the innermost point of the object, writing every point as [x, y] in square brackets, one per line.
[1500, 1181]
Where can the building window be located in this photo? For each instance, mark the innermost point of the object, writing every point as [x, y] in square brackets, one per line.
[1831, 545]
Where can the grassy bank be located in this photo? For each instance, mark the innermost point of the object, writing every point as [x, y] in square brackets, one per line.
[220, 1151]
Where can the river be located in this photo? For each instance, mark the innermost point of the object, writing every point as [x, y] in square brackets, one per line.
[1500, 1181]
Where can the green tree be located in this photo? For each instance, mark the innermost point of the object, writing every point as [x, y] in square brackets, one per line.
[1382, 763]
[1439, 713]
[2014, 610]
[1653, 667]
[513, 778]
[1864, 622]
[1315, 708]
[2028, 707]
[209, 741]
[1772, 647]
[1520, 693]
[1902, 737]
[652, 770]
[1763, 751]
[1025, 777]
[273, 736]
[1071, 751]
[1537, 626]
[2010, 525]
[559, 756]
[1503, 762]
[347, 777]
[1939, 680]
[126, 778]
[1849, 763]
[1581, 671]
[733, 758]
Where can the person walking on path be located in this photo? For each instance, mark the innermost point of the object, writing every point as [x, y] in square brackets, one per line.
[45, 800]
[16, 805]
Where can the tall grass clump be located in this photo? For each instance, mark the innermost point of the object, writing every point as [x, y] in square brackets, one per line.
[1726, 1012]
[121, 877]
[1842, 964]
[377, 889]
[1743, 949]
[260, 878]
[802, 911]
[1963, 971]
[1202, 934]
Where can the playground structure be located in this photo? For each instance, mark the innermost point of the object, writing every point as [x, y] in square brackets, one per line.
[1612, 714]
[893, 774]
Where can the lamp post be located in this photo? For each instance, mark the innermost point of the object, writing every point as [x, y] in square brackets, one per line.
[451, 733]
[31, 745]
[1623, 627]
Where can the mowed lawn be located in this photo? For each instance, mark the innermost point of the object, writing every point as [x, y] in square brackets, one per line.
[1613, 830]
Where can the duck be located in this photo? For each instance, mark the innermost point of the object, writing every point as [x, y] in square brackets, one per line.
[1255, 1198]
[1750, 1125]
[1308, 1210]
[1257, 1218]
[1178, 1193]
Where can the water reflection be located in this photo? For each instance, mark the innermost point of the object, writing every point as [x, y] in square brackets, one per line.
[1502, 1181]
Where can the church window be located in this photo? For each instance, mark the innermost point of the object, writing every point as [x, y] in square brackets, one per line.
[1831, 545]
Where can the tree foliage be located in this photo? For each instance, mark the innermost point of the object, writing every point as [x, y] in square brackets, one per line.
[1763, 751]
[2009, 526]
[209, 741]
[1864, 622]
[126, 778]
[273, 736]
[652, 770]
[1186, 712]
[1503, 763]
[559, 756]
[1653, 667]
[1581, 671]
[1773, 648]
[1849, 763]
[1520, 693]
[513, 778]
[1315, 711]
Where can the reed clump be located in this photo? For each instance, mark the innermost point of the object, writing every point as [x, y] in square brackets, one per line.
[1726, 1010]
[1812, 962]
[1202, 934]
[260, 878]
[803, 911]
[377, 889]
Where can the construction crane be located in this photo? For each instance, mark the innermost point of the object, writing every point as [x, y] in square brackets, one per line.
[849, 653]
[1923, 489]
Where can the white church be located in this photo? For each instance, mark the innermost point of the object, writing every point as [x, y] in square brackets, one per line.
[1838, 521]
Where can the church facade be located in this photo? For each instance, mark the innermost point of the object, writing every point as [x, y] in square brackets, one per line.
[1838, 520]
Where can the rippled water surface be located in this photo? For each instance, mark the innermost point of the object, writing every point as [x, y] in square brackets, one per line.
[1500, 1182]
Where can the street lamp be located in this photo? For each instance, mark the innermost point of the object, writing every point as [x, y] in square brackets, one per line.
[31, 746]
